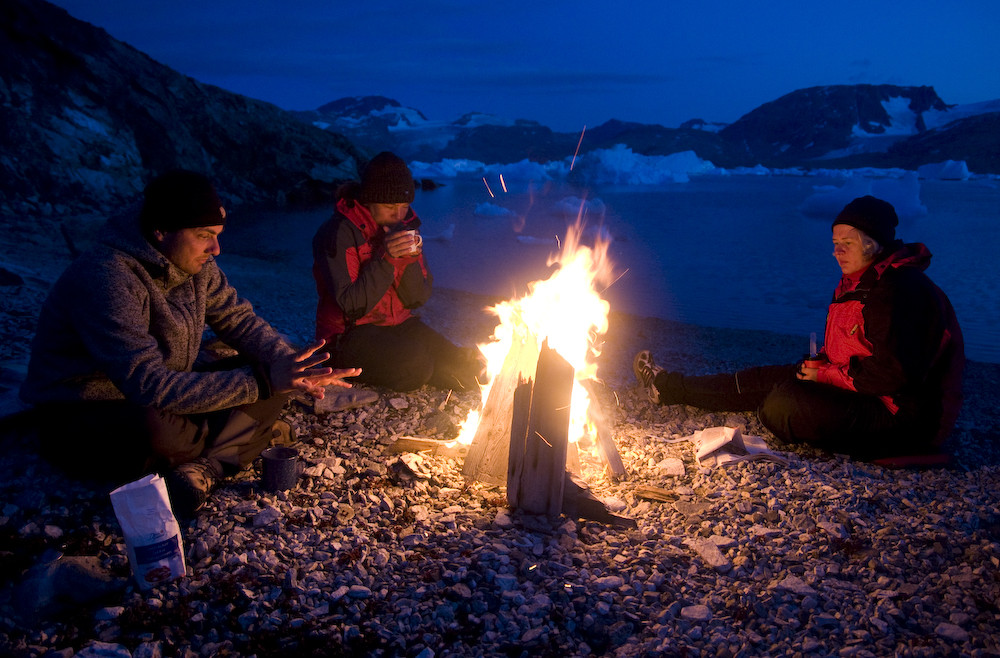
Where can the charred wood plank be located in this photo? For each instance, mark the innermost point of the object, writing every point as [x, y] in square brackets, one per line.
[488, 453]
[540, 483]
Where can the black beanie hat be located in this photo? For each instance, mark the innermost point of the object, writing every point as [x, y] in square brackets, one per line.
[877, 218]
[180, 199]
[386, 179]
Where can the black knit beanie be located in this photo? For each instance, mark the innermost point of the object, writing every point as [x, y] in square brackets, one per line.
[180, 199]
[877, 218]
[386, 179]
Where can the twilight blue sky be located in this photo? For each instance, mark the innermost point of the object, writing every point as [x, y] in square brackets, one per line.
[564, 63]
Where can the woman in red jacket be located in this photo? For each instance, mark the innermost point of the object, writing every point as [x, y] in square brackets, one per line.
[890, 378]
[370, 275]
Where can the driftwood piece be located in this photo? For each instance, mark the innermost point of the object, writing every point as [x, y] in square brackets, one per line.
[656, 493]
[540, 476]
[434, 447]
[605, 442]
[488, 453]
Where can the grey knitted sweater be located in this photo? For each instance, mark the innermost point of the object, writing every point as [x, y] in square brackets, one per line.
[122, 322]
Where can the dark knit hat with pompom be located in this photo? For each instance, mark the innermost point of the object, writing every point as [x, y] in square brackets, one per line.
[180, 199]
[877, 218]
[386, 179]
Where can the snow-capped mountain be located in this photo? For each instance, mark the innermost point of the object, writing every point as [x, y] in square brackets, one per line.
[830, 126]
[377, 123]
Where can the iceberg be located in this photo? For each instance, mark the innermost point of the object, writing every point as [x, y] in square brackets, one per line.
[620, 166]
[903, 193]
[947, 170]
[575, 206]
[492, 210]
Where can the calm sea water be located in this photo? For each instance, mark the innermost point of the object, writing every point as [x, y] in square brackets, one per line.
[731, 252]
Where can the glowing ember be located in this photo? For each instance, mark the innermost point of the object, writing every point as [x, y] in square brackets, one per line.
[577, 151]
[565, 309]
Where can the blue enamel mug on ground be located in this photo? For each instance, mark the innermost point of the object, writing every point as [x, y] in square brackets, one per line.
[280, 468]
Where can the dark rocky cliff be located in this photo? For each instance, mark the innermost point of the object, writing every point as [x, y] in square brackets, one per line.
[85, 120]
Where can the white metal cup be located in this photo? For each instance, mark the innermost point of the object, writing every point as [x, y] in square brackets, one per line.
[418, 240]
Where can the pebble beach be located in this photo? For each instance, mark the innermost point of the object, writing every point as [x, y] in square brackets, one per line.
[388, 553]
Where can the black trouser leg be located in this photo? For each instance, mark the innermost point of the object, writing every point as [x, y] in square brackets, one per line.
[839, 420]
[387, 357]
[405, 357]
[741, 391]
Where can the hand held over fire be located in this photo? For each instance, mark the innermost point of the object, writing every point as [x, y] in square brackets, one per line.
[303, 371]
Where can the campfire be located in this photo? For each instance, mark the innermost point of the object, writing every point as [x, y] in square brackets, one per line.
[539, 418]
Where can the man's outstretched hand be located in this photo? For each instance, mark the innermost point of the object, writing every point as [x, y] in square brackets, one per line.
[301, 371]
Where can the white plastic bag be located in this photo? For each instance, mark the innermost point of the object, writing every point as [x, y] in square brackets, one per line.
[152, 535]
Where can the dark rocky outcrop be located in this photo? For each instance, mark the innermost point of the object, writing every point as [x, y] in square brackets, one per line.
[85, 120]
[525, 140]
[654, 139]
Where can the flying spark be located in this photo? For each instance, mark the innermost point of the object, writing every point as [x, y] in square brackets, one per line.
[573, 161]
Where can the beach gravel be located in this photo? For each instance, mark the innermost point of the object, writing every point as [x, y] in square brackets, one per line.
[377, 552]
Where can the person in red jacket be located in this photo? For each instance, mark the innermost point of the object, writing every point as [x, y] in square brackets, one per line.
[371, 274]
[888, 381]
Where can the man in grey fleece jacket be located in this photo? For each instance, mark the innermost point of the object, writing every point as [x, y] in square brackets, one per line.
[115, 354]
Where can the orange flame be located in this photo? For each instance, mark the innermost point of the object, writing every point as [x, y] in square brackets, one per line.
[565, 309]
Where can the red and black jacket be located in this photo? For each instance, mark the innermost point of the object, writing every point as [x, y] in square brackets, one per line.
[357, 281]
[892, 333]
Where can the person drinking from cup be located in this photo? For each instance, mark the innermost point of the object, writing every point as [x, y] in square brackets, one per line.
[371, 274]
[888, 382]
[117, 373]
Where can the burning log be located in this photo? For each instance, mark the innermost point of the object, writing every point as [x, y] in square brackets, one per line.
[488, 453]
[605, 442]
[538, 481]
[537, 464]
[528, 434]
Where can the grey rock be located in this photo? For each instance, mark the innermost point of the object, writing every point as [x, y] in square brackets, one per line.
[49, 589]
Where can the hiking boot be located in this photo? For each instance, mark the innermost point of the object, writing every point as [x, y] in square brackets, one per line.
[646, 370]
[189, 485]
